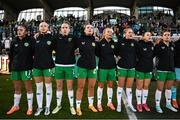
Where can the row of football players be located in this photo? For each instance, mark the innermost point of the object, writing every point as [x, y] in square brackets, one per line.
[126, 59]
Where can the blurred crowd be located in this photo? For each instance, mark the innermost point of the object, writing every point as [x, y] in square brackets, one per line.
[154, 22]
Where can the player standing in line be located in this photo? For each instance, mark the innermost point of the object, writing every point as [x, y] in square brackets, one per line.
[86, 68]
[164, 52]
[64, 45]
[21, 60]
[144, 68]
[43, 64]
[126, 51]
[106, 68]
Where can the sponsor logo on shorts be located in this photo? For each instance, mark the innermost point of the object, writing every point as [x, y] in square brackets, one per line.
[28, 74]
[94, 71]
[122, 44]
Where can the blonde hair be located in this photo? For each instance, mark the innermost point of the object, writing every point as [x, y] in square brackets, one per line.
[104, 31]
[66, 22]
[43, 23]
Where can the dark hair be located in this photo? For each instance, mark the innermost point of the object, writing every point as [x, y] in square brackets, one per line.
[86, 23]
[84, 27]
[125, 30]
[146, 32]
[163, 31]
[24, 26]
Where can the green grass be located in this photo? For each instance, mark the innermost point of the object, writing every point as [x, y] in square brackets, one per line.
[6, 101]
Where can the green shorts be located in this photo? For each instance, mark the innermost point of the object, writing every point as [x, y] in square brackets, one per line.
[64, 73]
[142, 75]
[87, 73]
[122, 72]
[165, 75]
[21, 75]
[43, 72]
[106, 74]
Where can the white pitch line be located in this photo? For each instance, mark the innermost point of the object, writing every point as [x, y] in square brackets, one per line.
[130, 114]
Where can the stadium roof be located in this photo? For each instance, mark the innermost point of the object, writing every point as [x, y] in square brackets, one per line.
[20, 5]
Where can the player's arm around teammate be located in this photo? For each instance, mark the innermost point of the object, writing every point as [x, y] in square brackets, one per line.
[165, 75]
[43, 64]
[86, 68]
[144, 68]
[21, 59]
[126, 51]
[106, 68]
[65, 45]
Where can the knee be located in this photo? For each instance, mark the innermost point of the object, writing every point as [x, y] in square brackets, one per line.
[128, 86]
[90, 87]
[80, 88]
[160, 89]
[59, 87]
[139, 87]
[120, 85]
[17, 92]
[146, 86]
[69, 87]
[29, 91]
[17, 89]
[110, 85]
[101, 85]
[168, 87]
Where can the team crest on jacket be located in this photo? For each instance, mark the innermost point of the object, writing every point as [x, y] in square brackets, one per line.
[122, 44]
[26, 44]
[103, 45]
[69, 39]
[163, 48]
[48, 42]
[37, 41]
[93, 44]
[83, 43]
[172, 48]
[152, 48]
[112, 46]
[16, 45]
[144, 49]
[132, 44]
